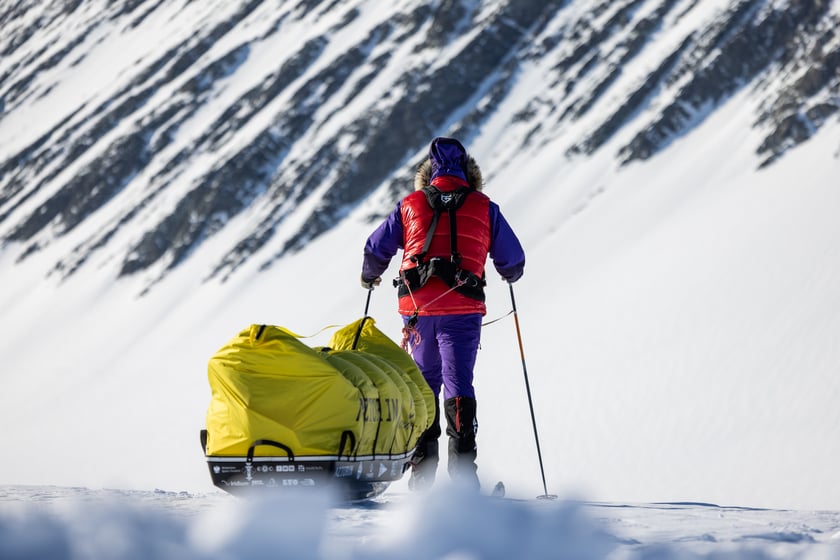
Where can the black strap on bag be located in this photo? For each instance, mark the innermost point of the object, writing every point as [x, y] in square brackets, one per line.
[449, 271]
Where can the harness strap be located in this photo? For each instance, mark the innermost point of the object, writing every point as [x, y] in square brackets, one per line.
[454, 255]
[418, 258]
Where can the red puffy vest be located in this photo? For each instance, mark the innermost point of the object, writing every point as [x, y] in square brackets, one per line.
[474, 236]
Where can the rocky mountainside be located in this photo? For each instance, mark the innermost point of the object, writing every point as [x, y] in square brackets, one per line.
[134, 130]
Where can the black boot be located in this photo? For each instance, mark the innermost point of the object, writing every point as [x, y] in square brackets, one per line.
[424, 463]
[461, 427]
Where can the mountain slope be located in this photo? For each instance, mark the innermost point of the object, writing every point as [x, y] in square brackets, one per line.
[167, 120]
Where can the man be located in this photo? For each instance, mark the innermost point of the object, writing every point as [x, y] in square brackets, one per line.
[446, 228]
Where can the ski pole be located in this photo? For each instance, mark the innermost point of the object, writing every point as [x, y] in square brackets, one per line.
[362, 322]
[546, 495]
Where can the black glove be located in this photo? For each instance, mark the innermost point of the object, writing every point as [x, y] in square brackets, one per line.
[371, 284]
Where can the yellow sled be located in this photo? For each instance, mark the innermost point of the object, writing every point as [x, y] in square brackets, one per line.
[283, 414]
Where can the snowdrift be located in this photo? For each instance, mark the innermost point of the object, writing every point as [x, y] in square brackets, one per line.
[284, 414]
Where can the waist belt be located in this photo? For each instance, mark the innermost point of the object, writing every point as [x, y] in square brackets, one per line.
[460, 280]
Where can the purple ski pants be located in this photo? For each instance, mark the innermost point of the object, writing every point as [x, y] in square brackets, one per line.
[446, 352]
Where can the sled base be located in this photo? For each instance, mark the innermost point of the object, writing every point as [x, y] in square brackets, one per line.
[352, 478]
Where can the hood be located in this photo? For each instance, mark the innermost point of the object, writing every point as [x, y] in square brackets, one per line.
[423, 176]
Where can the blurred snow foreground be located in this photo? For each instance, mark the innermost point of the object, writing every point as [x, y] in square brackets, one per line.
[74, 523]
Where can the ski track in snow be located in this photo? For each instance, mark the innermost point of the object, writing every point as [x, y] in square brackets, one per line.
[65, 522]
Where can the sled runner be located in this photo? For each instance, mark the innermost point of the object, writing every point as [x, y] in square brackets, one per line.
[284, 415]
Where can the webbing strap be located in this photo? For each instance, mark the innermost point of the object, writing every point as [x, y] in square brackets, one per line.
[455, 257]
[453, 240]
[429, 235]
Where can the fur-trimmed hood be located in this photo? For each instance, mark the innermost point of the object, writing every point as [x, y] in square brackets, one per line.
[424, 173]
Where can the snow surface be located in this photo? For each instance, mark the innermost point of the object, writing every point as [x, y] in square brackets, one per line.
[679, 320]
[79, 523]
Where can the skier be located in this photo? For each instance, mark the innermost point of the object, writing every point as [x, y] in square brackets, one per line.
[446, 229]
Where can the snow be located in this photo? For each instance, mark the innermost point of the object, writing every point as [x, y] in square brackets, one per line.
[679, 321]
[79, 523]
